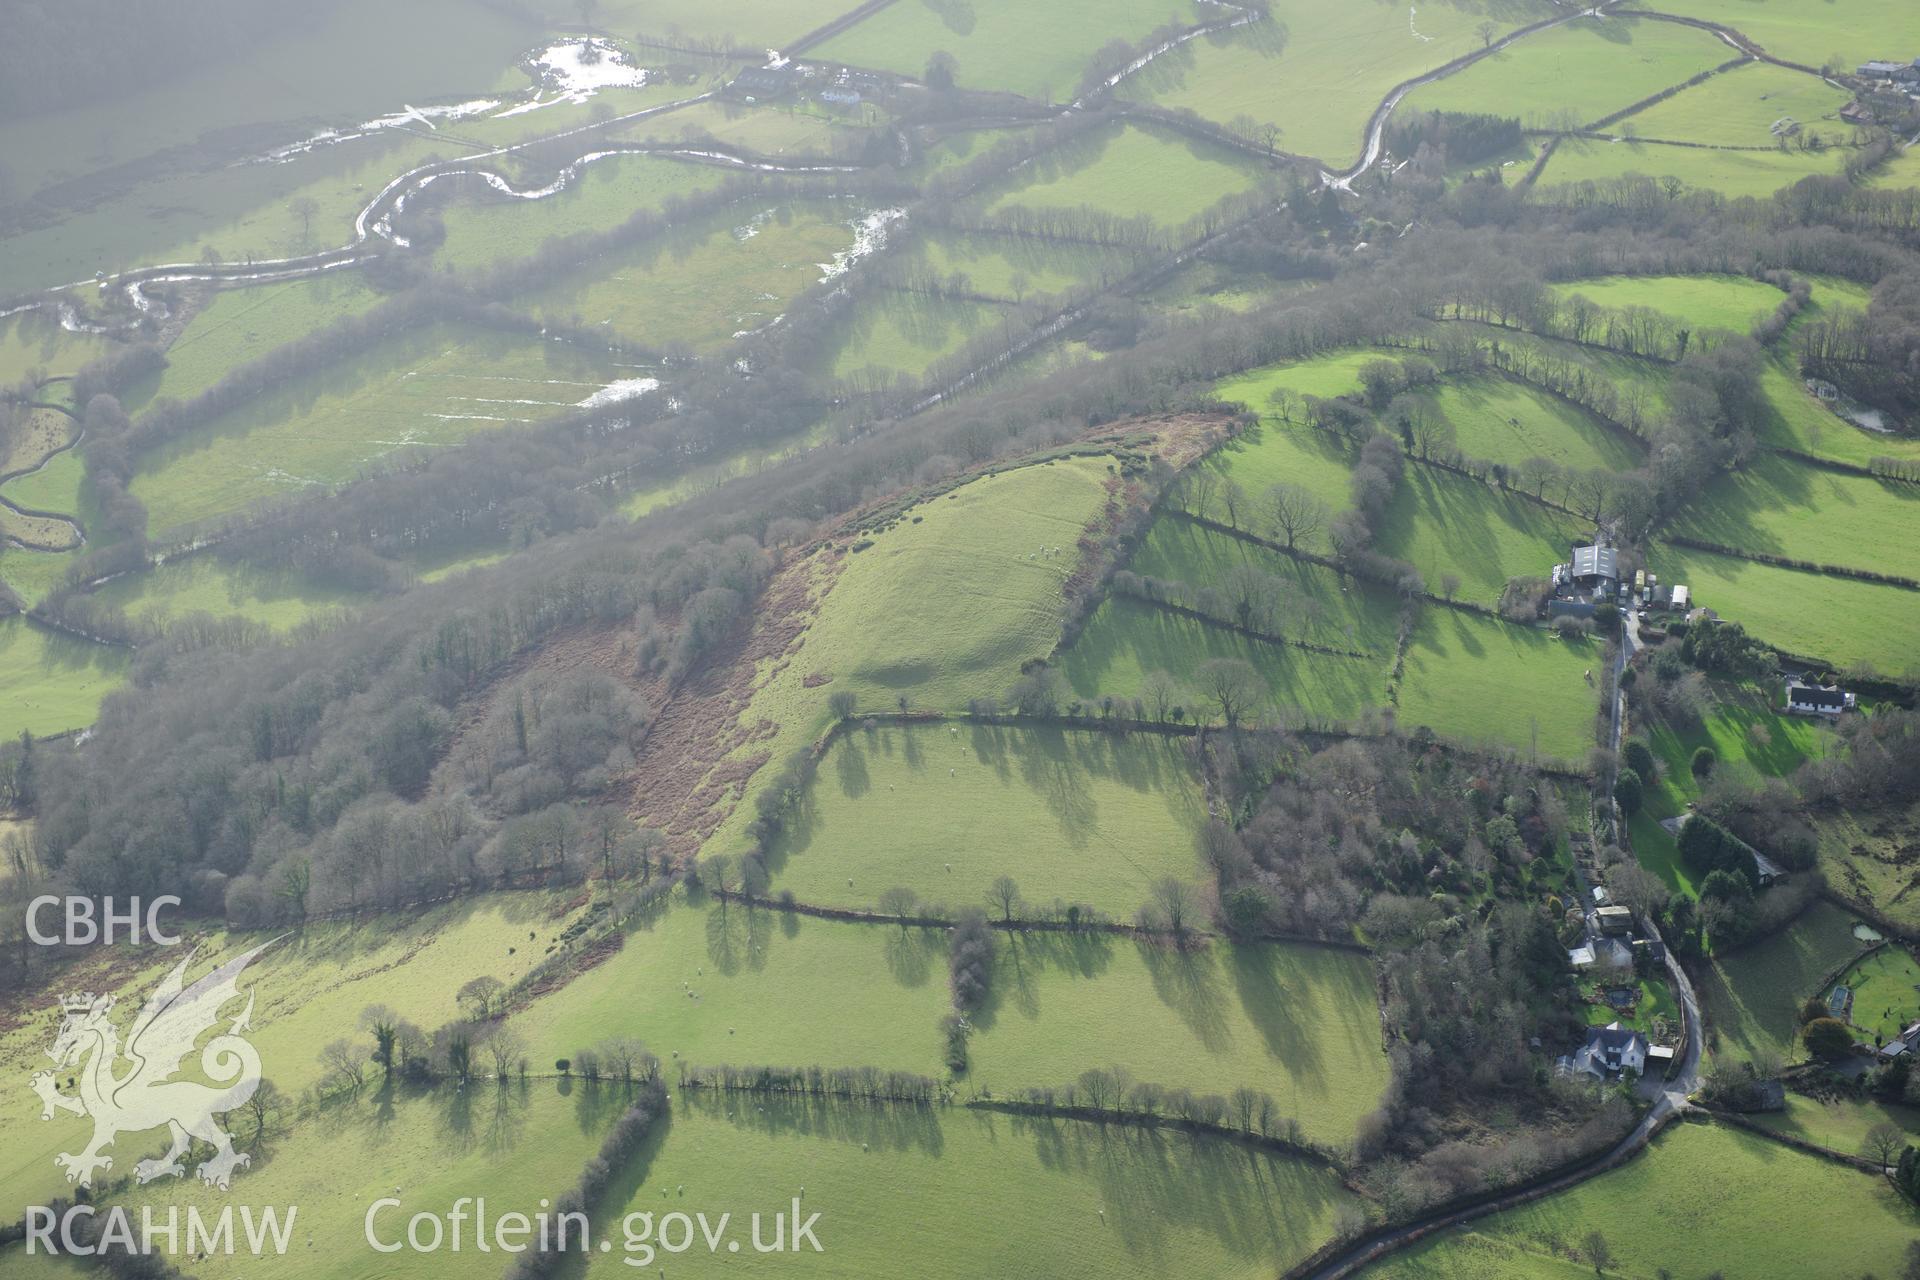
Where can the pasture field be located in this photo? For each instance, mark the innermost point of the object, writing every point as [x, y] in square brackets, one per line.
[234, 327]
[55, 486]
[1063, 1197]
[894, 335]
[485, 227]
[1323, 606]
[1838, 1124]
[1731, 173]
[1840, 621]
[1318, 70]
[704, 285]
[33, 575]
[1885, 999]
[733, 984]
[1738, 108]
[309, 989]
[1686, 1206]
[1631, 376]
[50, 682]
[1590, 67]
[1473, 679]
[1747, 729]
[1126, 640]
[1734, 303]
[45, 430]
[941, 607]
[1869, 856]
[1796, 420]
[944, 809]
[1012, 268]
[520, 1142]
[432, 387]
[1275, 452]
[208, 584]
[1752, 996]
[1850, 30]
[1131, 171]
[1655, 848]
[946, 607]
[1443, 523]
[1299, 1022]
[1334, 374]
[1782, 507]
[1500, 420]
[1036, 51]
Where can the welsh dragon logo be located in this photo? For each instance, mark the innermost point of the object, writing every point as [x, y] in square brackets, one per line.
[146, 1096]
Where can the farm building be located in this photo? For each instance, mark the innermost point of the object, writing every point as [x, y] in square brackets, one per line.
[1805, 699]
[1898, 72]
[1594, 565]
[1853, 113]
[841, 97]
[758, 84]
[1822, 389]
[1609, 1052]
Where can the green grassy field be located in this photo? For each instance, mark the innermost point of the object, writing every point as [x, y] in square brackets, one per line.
[991, 1194]
[49, 682]
[943, 607]
[236, 326]
[1838, 620]
[33, 575]
[943, 810]
[1752, 996]
[1588, 67]
[1276, 453]
[1688, 1206]
[1319, 70]
[309, 990]
[1851, 30]
[1731, 173]
[743, 23]
[1885, 999]
[1502, 421]
[433, 387]
[1795, 420]
[1334, 374]
[1472, 679]
[1444, 523]
[1839, 1125]
[1738, 108]
[703, 285]
[1734, 303]
[487, 227]
[1131, 171]
[1778, 506]
[1126, 640]
[1002, 45]
[894, 335]
[740, 985]
[1322, 606]
[1010, 268]
[54, 487]
[520, 1143]
[1298, 1022]
[207, 584]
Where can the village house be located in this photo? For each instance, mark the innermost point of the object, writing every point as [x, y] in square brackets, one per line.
[1805, 699]
[1609, 1053]
[1853, 113]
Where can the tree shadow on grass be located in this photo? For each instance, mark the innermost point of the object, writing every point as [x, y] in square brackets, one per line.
[1191, 983]
[883, 1126]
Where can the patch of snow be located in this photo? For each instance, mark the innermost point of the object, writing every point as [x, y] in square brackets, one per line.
[621, 389]
[412, 115]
